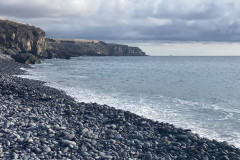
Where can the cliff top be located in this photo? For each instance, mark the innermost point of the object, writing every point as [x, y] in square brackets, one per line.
[1, 19]
[15, 23]
[9, 27]
[78, 40]
[73, 40]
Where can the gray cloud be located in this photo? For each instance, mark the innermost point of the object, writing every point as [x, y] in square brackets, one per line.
[182, 20]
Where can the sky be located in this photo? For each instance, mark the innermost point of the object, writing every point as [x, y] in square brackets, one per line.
[170, 25]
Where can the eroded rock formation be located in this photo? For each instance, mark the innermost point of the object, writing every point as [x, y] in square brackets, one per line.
[27, 44]
[18, 38]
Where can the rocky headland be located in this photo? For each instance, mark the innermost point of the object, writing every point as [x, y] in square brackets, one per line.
[24, 43]
[39, 122]
[63, 48]
[28, 44]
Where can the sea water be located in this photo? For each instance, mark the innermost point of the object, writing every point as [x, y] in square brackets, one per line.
[197, 93]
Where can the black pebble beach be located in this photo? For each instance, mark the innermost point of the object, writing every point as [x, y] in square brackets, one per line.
[39, 122]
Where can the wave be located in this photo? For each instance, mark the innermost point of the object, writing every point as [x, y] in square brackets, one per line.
[213, 121]
[162, 112]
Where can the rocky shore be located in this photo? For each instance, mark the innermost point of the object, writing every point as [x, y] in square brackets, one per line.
[39, 122]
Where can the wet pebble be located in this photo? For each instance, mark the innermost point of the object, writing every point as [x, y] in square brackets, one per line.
[39, 122]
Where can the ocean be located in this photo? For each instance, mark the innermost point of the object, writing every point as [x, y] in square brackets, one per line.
[197, 93]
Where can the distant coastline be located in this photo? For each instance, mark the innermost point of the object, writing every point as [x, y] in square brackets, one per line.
[27, 44]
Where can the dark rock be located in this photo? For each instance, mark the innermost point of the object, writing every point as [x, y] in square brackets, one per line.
[224, 158]
[148, 156]
[182, 137]
[36, 150]
[10, 52]
[26, 58]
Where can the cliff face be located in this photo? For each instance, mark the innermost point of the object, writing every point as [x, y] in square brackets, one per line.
[124, 50]
[73, 48]
[27, 44]
[22, 41]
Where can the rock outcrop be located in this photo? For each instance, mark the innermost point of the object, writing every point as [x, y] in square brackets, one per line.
[61, 48]
[18, 38]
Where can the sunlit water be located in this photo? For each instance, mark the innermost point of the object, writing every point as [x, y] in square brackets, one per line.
[198, 93]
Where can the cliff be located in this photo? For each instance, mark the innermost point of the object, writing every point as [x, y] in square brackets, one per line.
[63, 48]
[27, 44]
[23, 42]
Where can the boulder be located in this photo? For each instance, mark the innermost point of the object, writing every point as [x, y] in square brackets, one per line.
[27, 58]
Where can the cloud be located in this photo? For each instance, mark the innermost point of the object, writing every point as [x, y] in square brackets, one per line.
[185, 20]
[48, 8]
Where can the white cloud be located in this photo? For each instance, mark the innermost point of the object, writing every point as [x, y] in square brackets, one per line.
[159, 22]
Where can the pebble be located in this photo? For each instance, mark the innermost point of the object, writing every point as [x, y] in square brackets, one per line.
[47, 149]
[69, 136]
[30, 140]
[8, 143]
[205, 158]
[38, 122]
[224, 157]
[149, 156]
[69, 143]
[118, 136]
[14, 156]
[147, 145]
[106, 157]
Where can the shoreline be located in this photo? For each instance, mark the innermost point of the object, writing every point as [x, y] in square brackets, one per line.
[40, 122]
